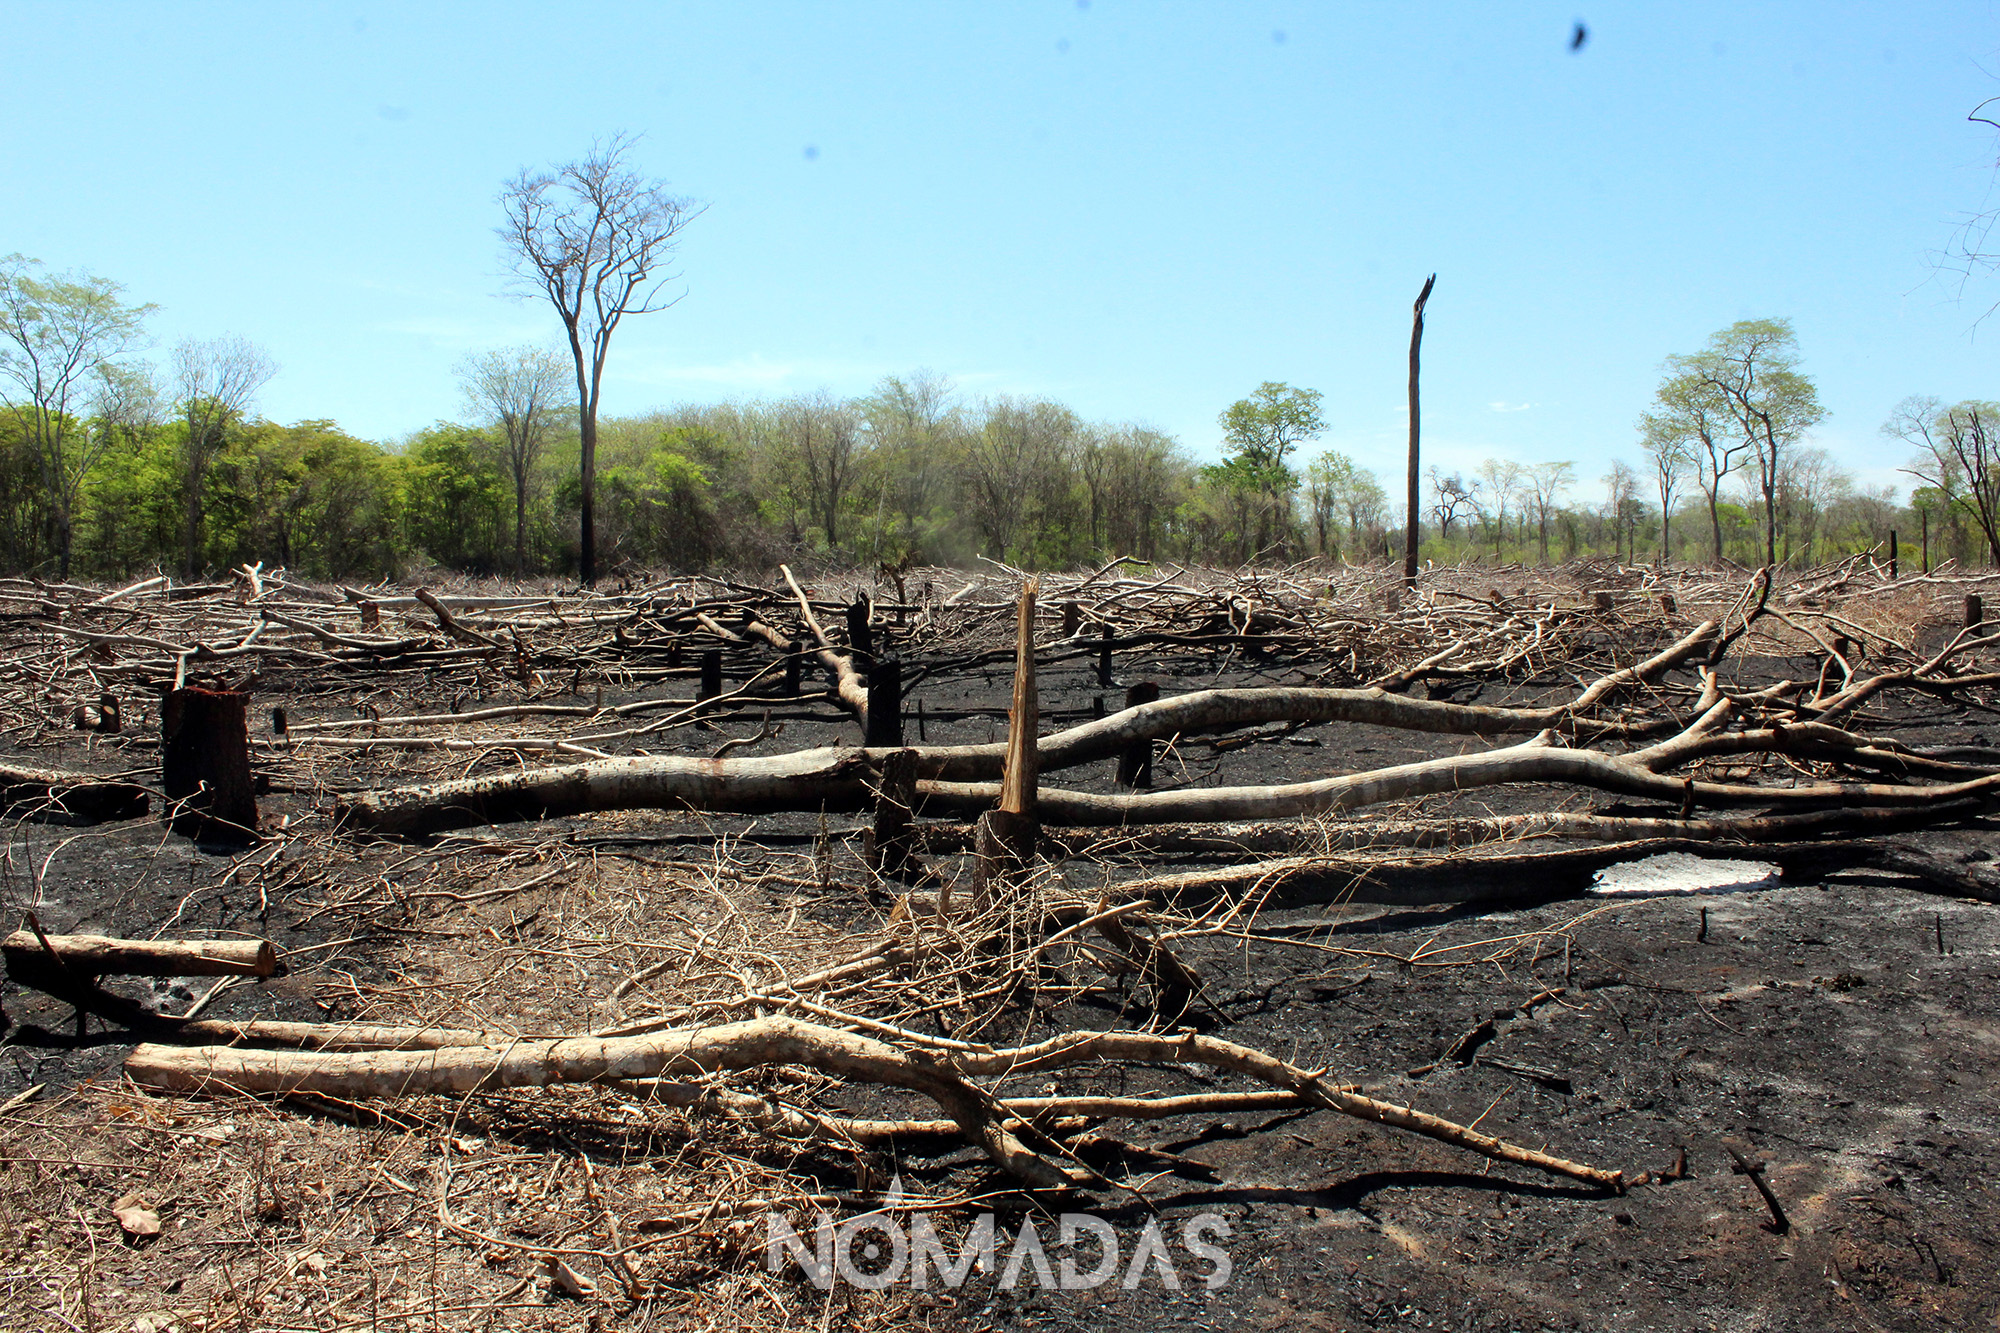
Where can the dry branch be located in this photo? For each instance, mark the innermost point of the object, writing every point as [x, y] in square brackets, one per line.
[942, 1075]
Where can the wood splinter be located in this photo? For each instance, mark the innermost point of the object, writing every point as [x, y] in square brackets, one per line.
[1004, 838]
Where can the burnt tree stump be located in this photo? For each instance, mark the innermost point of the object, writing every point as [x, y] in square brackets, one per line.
[859, 636]
[1135, 762]
[885, 705]
[205, 764]
[890, 846]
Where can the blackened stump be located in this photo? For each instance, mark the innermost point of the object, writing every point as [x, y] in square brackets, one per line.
[1135, 764]
[711, 674]
[890, 845]
[885, 705]
[859, 637]
[205, 764]
[794, 653]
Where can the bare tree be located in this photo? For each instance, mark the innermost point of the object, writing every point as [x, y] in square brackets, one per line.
[1961, 456]
[1621, 501]
[61, 339]
[214, 383]
[1453, 495]
[1546, 484]
[1667, 450]
[1020, 442]
[521, 388]
[1499, 481]
[822, 435]
[596, 239]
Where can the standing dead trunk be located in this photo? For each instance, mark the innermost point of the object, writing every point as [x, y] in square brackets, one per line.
[205, 764]
[1004, 841]
[1413, 523]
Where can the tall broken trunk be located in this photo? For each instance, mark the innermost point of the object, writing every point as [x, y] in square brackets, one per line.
[205, 765]
[1004, 839]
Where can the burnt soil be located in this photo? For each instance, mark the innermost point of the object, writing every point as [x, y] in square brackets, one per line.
[1845, 1032]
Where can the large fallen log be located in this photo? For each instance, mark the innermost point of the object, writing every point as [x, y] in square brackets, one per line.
[52, 791]
[940, 1073]
[100, 955]
[1530, 763]
[832, 778]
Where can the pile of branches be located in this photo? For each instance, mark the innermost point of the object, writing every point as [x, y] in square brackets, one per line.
[1662, 713]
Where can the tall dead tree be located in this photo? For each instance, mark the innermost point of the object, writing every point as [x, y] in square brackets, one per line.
[1413, 525]
[594, 237]
[521, 388]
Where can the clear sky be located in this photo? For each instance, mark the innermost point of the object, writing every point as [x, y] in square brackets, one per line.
[1143, 210]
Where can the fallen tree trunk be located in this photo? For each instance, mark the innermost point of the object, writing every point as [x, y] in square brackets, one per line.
[100, 955]
[1534, 877]
[940, 1074]
[53, 791]
[1531, 763]
[815, 780]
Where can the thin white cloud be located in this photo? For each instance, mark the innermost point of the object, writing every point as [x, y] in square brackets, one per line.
[455, 334]
[1508, 407]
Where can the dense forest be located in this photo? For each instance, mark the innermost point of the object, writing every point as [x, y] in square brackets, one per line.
[110, 465]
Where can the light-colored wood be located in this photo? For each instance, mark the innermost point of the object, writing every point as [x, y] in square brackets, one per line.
[941, 1074]
[101, 955]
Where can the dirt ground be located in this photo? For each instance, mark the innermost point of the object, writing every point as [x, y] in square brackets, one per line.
[1844, 1032]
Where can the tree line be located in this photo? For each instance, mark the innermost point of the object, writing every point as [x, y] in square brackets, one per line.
[110, 465]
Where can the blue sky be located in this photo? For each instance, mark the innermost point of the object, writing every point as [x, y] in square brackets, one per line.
[1143, 210]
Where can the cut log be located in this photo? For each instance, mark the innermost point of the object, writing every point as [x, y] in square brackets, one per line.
[59, 792]
[100, 955]
[205, 764]
[807, 780]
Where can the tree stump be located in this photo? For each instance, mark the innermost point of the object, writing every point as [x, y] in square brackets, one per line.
[1003, 847]
[794, 654]
[205, 765]
[859, 636]
[885, 705]
[890, 846]
[1135, 763]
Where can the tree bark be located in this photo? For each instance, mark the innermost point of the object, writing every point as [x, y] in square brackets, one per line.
[1413, 520]
[205, 764]
[100, 955]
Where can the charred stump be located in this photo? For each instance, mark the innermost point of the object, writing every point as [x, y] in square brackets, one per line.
[205, 764]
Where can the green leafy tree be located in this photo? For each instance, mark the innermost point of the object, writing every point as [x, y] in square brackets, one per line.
[1748, 374]
[1259, 433]
[63, 341]
[459, 497]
